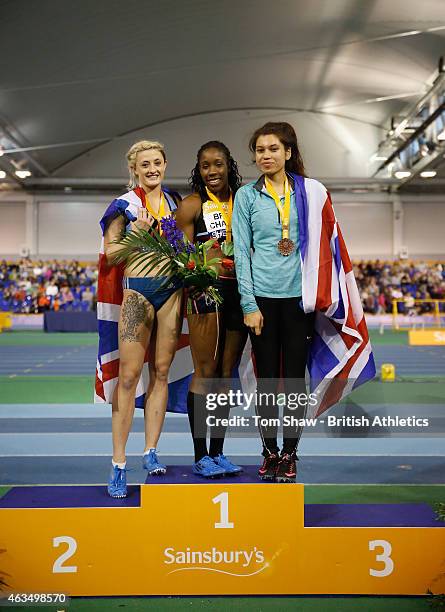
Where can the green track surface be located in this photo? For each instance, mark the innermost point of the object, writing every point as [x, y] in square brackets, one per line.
[79, 390]
[40, 338]
[243, 604]
[420, 391]
[389, 337]
[373, 494]
[47, 390]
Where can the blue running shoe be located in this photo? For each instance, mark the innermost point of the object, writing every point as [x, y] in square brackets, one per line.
[207, 468]
[117, 485]
[151, 464]
[229, 468]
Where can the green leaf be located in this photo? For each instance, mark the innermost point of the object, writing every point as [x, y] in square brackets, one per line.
[208, 243]
[227, 248]
[214, 261]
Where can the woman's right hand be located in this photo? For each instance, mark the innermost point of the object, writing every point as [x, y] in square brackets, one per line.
[144, 221]
[194, 293]
[255, 321]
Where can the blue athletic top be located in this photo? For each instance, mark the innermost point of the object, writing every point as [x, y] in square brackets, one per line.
[260, 269]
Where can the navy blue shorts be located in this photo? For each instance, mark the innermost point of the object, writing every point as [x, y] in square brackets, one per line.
[230, 309]
[149, 288]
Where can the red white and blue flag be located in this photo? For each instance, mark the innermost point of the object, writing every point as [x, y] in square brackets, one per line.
[109, 300]
[340, 354]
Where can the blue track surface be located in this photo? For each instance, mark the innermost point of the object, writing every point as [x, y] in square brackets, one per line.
[47, 360]
[81, 360]
[311, 470]
[71, 444]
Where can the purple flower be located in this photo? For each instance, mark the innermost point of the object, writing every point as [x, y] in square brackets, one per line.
[173, 234]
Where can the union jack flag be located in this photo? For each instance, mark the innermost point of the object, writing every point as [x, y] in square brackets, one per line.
[340, 354]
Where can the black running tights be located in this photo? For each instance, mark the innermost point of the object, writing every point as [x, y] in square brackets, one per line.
[281, 349]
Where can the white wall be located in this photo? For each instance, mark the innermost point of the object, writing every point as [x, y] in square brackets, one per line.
[366, 228]
[68, 226]
[12, 226]
[424, 227]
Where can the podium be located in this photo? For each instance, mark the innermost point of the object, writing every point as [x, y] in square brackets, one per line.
[223, 537]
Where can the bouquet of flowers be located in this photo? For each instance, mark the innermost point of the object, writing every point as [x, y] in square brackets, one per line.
[172, 254]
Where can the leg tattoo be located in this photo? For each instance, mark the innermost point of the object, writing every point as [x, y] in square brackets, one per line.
[134, 313]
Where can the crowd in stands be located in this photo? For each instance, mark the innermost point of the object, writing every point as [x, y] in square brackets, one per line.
[28, 286]
[381, 282]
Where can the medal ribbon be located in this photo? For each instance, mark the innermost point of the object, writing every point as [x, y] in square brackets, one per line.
[283, 210]
[227, 216]
[161, 212]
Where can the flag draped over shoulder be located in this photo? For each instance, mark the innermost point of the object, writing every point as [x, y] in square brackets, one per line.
[109, 300]
[340, 355]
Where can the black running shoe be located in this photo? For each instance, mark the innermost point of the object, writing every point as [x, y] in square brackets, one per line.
[268, 469]
[287, 468]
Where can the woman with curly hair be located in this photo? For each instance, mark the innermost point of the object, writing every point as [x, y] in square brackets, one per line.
[217, 334]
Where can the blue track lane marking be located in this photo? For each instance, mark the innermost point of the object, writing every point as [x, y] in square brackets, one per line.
[59, 444]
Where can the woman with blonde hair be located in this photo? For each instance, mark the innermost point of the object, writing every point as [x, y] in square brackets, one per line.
[136, 314]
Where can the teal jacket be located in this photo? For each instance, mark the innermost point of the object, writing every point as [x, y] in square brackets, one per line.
[256, 226]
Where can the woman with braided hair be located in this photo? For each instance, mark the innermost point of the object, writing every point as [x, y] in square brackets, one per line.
[217, 333]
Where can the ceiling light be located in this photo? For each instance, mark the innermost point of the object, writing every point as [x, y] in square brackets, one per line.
[2, 151]
[401, 174]
[22, 173]
[409, 33]
[377, 157]
[2, 174]
[428, 173]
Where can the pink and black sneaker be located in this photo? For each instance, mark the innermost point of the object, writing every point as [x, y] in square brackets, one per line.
[287, 468]
[268, 469]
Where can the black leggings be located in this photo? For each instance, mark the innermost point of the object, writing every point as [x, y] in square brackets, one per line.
[281, 349]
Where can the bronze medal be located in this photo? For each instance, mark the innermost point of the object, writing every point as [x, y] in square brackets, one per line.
[286, 246]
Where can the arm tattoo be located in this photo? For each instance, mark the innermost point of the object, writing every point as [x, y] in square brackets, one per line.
[134, 313]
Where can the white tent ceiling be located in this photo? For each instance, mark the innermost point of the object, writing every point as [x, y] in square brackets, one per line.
[106, 72]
